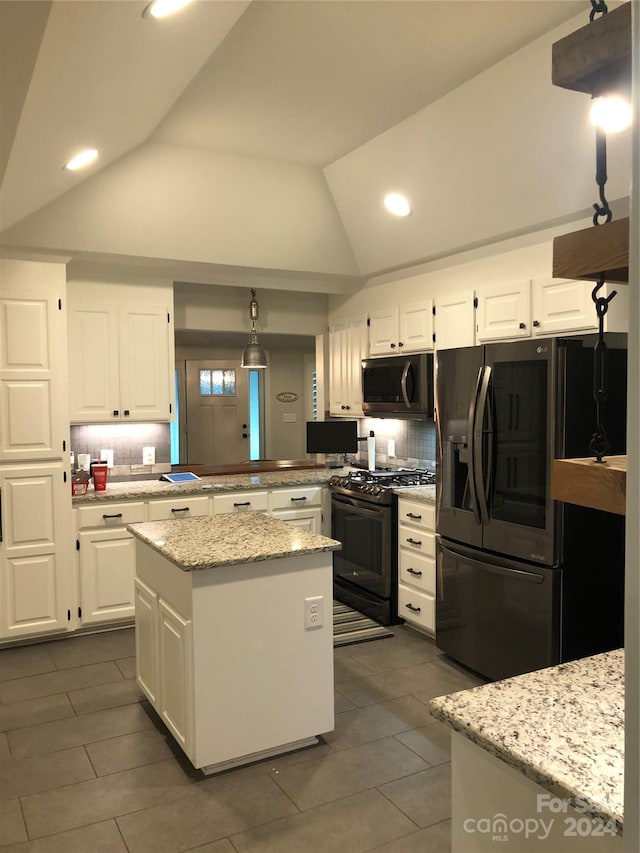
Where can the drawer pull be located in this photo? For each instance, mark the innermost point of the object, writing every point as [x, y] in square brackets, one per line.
[117, 515]
[181, 509]
[243, 503]
[299, 499]
[413, 515]
[414, 541]
[415, 573]
[412, 608]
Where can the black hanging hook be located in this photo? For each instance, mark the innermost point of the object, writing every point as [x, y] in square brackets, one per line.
[599, 443]
[597, 7]
[603, 209]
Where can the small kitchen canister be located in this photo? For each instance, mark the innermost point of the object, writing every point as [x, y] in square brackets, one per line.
[99, 474]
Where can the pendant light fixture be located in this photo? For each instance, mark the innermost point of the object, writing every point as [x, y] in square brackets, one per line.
[253, 356]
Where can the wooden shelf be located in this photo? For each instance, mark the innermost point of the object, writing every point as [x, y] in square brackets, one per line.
[586, 483]
[597, 57]
[601, 251]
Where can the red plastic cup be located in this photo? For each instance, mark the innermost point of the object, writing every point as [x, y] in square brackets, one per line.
[99, 474]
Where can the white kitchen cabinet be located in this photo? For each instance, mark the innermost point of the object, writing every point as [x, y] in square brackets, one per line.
[301, 505]
[120, 361]
[561, 306]
[35, 550]
[175, 655]
[106, 561]
[455, 320]
[504, 311]
[189, 506]
[417, 564]
[401, 328]
[348, 345]
[33, 361]
[147, 617]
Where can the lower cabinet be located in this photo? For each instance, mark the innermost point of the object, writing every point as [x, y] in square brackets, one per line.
[417, 564]
[107, 561]
[301, 506]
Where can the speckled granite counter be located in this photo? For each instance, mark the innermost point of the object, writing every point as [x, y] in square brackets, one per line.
[562, 727]
[228, 539]
[142, 489]
[422, 494]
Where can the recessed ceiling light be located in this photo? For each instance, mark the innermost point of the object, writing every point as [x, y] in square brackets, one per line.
[612, 114]
[163, 8]
[397, 204]
[84, 158]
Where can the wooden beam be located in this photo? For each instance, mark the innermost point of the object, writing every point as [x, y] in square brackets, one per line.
[587, 483]
[601, 251]
[596, 58]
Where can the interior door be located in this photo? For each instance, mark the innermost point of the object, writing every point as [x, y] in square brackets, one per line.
[217, 412]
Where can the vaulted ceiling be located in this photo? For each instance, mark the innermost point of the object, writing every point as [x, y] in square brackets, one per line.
[252, 103]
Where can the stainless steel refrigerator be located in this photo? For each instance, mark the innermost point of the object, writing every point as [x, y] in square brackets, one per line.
[524, 582]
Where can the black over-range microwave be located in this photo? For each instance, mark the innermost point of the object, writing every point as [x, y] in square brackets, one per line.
[399, 386]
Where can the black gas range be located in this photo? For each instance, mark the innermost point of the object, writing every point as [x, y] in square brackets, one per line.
[363, 519]
[377, 486]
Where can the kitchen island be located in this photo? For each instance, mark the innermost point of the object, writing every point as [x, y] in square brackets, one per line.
[538, 760]
[234, 639]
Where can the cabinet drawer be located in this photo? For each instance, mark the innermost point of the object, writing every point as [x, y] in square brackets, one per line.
[187, 507]
[417, 608]
[241, 502]
[416, 570]
[417, 540]
[414, 512]
[297, 498]
[110, 514]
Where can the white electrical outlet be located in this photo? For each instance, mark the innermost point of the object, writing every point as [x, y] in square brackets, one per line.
[107, 456]
[391, 448]
[314, 611]
[148, 456]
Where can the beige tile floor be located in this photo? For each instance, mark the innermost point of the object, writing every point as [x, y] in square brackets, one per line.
[86, 767]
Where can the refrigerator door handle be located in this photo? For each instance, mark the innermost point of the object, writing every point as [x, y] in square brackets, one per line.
[473, 406]
[493, 568]
[482, 477]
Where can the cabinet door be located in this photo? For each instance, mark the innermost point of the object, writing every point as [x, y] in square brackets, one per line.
[338, 368]
[147, 640]
[357, 349]
[384, 331]
[94, 377]
[306, 519]
[175, 668]
[504, 311]
[36, 556]
[145, 384]
[562, 305]
[33, 363]
[416, 326]
[107, 570]
[455, 320]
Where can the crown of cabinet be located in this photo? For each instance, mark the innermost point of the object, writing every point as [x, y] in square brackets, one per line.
[595, 59]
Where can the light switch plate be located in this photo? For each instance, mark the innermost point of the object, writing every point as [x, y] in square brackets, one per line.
[391, 448]
[148, 456]
[289, 418]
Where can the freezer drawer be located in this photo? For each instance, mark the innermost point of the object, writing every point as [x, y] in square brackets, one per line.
[496, 616]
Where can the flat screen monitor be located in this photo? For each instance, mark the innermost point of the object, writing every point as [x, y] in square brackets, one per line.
[332, 436]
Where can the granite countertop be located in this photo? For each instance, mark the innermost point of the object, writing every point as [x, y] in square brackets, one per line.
[227, 539]
[562, 727]
[143, 489]
[422, 494]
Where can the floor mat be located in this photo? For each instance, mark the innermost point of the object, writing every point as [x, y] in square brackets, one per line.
[350, 626]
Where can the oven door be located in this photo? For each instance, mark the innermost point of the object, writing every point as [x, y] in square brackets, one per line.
[364, 529]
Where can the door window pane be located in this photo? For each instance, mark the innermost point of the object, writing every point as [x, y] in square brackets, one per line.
[218, 383]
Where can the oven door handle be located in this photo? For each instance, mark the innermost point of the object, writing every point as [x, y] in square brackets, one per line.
[356, 506]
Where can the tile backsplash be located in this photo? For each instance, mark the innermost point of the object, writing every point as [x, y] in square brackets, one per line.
[415, 442]
[127, 442]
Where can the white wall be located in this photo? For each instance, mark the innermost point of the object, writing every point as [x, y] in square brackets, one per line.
[286, 372]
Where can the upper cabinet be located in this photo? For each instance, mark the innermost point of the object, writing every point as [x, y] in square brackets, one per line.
[348, 345]
[565, 305]
[401, 328]
[120, 360]
[33, 361]
[455, 320]
[504, 311]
